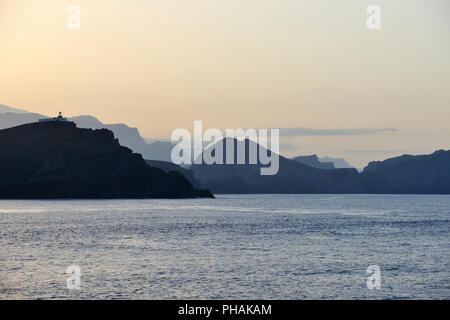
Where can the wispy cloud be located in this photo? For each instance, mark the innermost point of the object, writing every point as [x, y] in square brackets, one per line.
[300, 131]
[374, 151]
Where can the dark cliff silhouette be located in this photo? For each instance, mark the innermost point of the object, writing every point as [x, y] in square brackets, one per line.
[338, 163]
[59, 160]
[169, 166]
[128, 136]
[422, 174]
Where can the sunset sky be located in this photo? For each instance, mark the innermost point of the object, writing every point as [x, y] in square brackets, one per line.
[310, 66]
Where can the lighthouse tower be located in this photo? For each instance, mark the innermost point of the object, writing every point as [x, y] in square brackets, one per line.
[58, 118]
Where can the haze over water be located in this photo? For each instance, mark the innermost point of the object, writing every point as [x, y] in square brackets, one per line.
[236, 246]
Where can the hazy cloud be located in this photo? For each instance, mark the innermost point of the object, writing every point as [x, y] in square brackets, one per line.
[374, 151]
[300, 131]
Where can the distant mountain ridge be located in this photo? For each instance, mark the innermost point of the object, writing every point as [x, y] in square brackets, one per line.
[13, 119]
[5, 109]
[130, 137]
[293, 177]
[429, 174]
[313, 161]
[304, 174]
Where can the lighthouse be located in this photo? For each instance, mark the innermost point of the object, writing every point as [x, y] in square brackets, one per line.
[58, 118]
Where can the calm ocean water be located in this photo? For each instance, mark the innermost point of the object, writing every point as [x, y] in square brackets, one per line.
[232, 247]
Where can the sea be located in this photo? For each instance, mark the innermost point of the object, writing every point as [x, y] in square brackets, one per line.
[232, 247]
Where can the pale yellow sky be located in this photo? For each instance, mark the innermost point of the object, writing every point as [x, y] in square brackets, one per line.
[161, 64]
